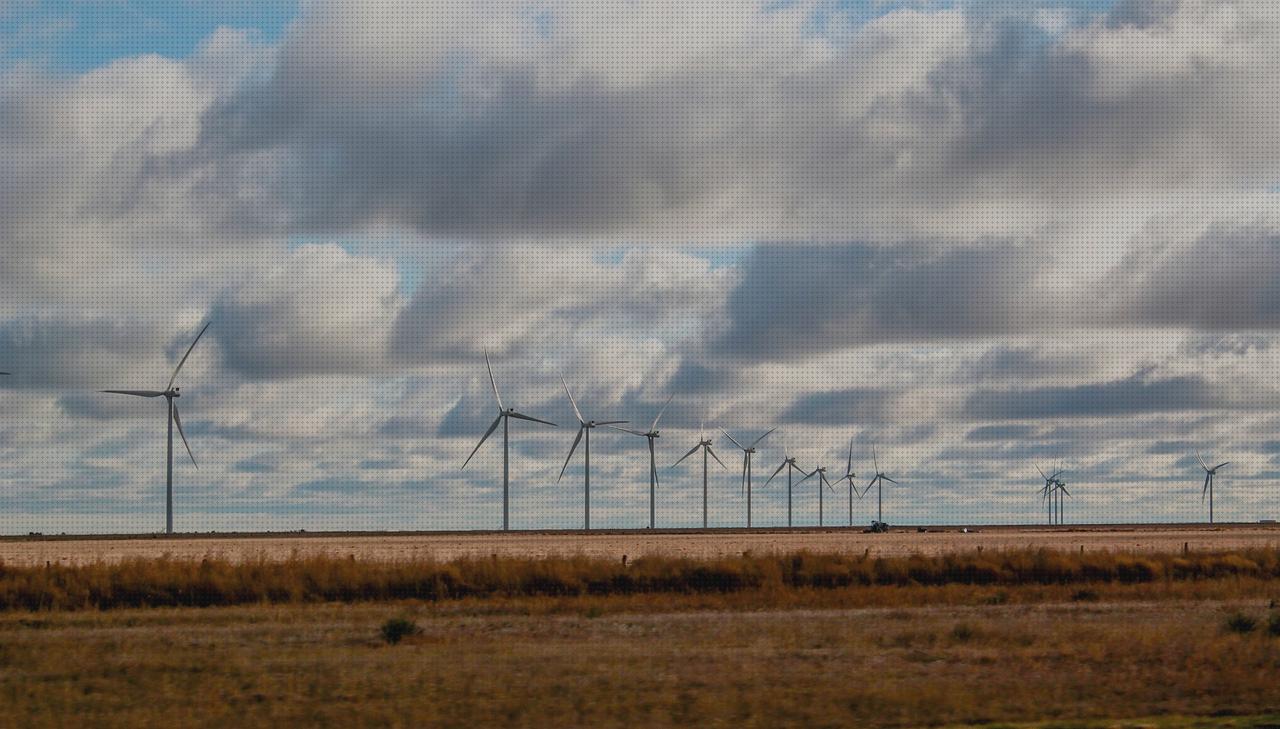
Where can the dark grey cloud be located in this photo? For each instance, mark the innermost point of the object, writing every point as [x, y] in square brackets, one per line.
[990, 433]
[842, 407]
[1135, 395]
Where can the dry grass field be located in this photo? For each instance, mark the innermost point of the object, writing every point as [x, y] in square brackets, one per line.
[1128, 632]
[613, 544]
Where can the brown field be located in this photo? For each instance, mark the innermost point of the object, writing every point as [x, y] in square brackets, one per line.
[614, 544]
[1131, 631]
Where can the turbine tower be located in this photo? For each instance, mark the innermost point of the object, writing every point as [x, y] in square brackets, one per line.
[653, 458]
[789, 463]
[878, 482]
[822, 482]
[705, 444]
[848, 476]
[170, 393]
[1210, 475]
[504, 416]
[747, 452]
[584, 426]
[1061, 487]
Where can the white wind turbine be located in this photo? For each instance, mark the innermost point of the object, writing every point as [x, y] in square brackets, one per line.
[584, 426]
[504, 416]
[1210, 475]
[705, 444]
[789, 463]
[170, 393]
[878, 482]
[848, 476]
[651, 435]
[747, 453]
[822, 483]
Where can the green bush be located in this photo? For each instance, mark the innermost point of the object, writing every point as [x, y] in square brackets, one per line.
[1241, 623]
[397, 629]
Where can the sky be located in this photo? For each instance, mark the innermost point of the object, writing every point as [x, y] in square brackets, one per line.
[972, 237]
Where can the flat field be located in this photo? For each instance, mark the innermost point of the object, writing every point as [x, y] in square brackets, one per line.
[1100, 627]
[698, 544]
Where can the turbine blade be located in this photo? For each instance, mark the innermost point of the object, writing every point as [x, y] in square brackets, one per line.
[654, 427]
[487, 433]
[188, 354]
[1065, 491]
[713, 455]
[1042, 473]
[690, 453]
[611, 426]
[1200, 458]
[875, 459]
[572, 448]
[849, 468]
[1205, 490]
[746, 459]
[775, 473]
[574, 403]
[136, 393]
[830, 488]
[492, 381]
[531, 419]
[653, 464]
[177, 420]
[613, 422]
[6, 373]
[889, 479]
[730, 437]
[1220, 465]
[766, 435]
[807, 476]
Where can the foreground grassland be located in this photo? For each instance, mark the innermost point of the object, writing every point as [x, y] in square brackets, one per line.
[1035, 638]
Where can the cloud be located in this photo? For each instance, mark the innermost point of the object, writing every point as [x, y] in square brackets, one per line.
[1133, 395]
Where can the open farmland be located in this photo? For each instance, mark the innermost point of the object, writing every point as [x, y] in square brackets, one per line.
[639, 543]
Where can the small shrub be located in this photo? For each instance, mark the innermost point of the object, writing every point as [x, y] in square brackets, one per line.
[999, 598]
[1085, 596]
[1273, 625]
[962, 633]
[396, 629]
[1241, 623]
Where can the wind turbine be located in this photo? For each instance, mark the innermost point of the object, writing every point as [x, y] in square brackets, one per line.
[504, 416]
[705, 444]
[653, 458]
[584, 426]
[1049, 491]
[789, 463]
[878, 482]
[170, 393]
[822, 481]
[1061, 487]
[747, 452]
[849, 475]
[1210, 475]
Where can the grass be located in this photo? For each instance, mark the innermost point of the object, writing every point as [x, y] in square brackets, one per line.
[1022, 638]
[475, 664]
[214, 582]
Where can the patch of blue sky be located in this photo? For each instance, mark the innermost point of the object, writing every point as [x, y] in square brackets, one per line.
[74, 36]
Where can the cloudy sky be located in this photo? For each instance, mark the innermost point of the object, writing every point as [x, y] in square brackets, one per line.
[976, 235]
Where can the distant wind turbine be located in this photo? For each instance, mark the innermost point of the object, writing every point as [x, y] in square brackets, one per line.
[504, 416]
[822, 482]
[584, 426]
[848, 476]
[1210, 475]
[652, 435]
[878, 482]
[747, 452]
[170, 393]
[705, 444]
[1061, 487]
[1048, 492]
[789, 463]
